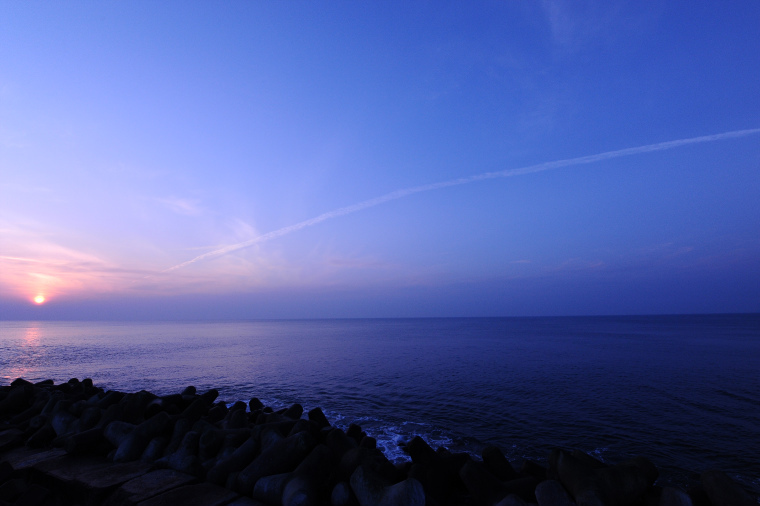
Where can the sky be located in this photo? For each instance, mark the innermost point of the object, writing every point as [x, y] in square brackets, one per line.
[235, 160]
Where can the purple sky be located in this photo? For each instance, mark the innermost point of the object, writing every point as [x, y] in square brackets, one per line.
[181, 160]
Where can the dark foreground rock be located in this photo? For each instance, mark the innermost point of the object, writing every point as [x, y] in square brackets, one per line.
[76, 444]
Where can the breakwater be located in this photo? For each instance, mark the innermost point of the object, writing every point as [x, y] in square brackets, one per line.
[75, 443]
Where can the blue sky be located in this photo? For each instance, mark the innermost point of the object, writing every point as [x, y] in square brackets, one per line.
[156, 159]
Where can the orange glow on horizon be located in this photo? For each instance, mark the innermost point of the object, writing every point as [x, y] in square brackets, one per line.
[39, 299]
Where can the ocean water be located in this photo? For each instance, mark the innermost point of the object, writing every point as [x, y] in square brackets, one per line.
[681, 390]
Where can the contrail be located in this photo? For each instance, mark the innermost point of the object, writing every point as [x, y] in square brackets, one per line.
[608, 155]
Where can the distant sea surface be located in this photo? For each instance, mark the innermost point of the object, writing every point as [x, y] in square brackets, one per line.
[681, 390]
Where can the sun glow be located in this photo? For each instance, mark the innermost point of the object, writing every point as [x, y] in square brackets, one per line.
[39, 299]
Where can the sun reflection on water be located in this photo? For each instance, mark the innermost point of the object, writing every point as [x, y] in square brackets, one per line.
[32, 336]
[31, 343]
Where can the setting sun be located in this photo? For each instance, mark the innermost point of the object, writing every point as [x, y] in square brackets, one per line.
[39, 299]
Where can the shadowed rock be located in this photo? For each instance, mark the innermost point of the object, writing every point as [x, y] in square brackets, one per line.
[420, 451]
[552, 493]
[88, 441]
[148, 485]
[11, 439]
[17, 399]
[216, 413]
[342, 495]
[154, 407]
[39, 402]
[592, 462]
[195, 410]
[278, 459]
[154, 450]
[238, 460]
[63, 422]
[371, 490]
[674, 497]
[355, 432]
[592, 481]
[576, 475]
[269, 489]
[317, 416]
[134, 406]
[368, 442]
[627, 483]
[497, 464]
[202, 494]
[370, 458]
[12, 490]
[269, 436]
[41, 437]
[33, 495]
[52, 402]
[210, 396]
[110, 398]
[134, 444]
[295, 411]
[181, 427]
[482, 485]
[116, 432]
[723, 491]
[90, 418]
[111, 414]
[233, 439]
[210, 442]
[281, 457]
[185, 459]
[309, 479]
[339, 443]
[303, 425]
[511, 500]
[440, 477]
[236, 419]
[534, 469]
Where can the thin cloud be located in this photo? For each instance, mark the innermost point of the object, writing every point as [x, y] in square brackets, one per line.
[34, 264]
[185, 207]
[573, 24]
[531, 169]
[23, 260]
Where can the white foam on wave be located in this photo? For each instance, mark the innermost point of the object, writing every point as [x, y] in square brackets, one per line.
[600, 453]
[391, 438]
[335, 418]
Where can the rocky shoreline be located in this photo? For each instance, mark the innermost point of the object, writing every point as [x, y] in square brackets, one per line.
[75, 443]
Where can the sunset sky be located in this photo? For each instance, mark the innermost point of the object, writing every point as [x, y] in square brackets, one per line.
[224, 160]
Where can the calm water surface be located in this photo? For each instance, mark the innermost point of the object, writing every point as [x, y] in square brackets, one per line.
[682, 390]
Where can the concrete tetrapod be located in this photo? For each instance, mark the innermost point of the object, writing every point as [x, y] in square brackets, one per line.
[723, 491]
[371, 490]
[233, 463]
[134, 444]
[280, 457]
[288, 457]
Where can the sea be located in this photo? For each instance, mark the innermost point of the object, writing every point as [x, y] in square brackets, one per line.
[682, 390]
